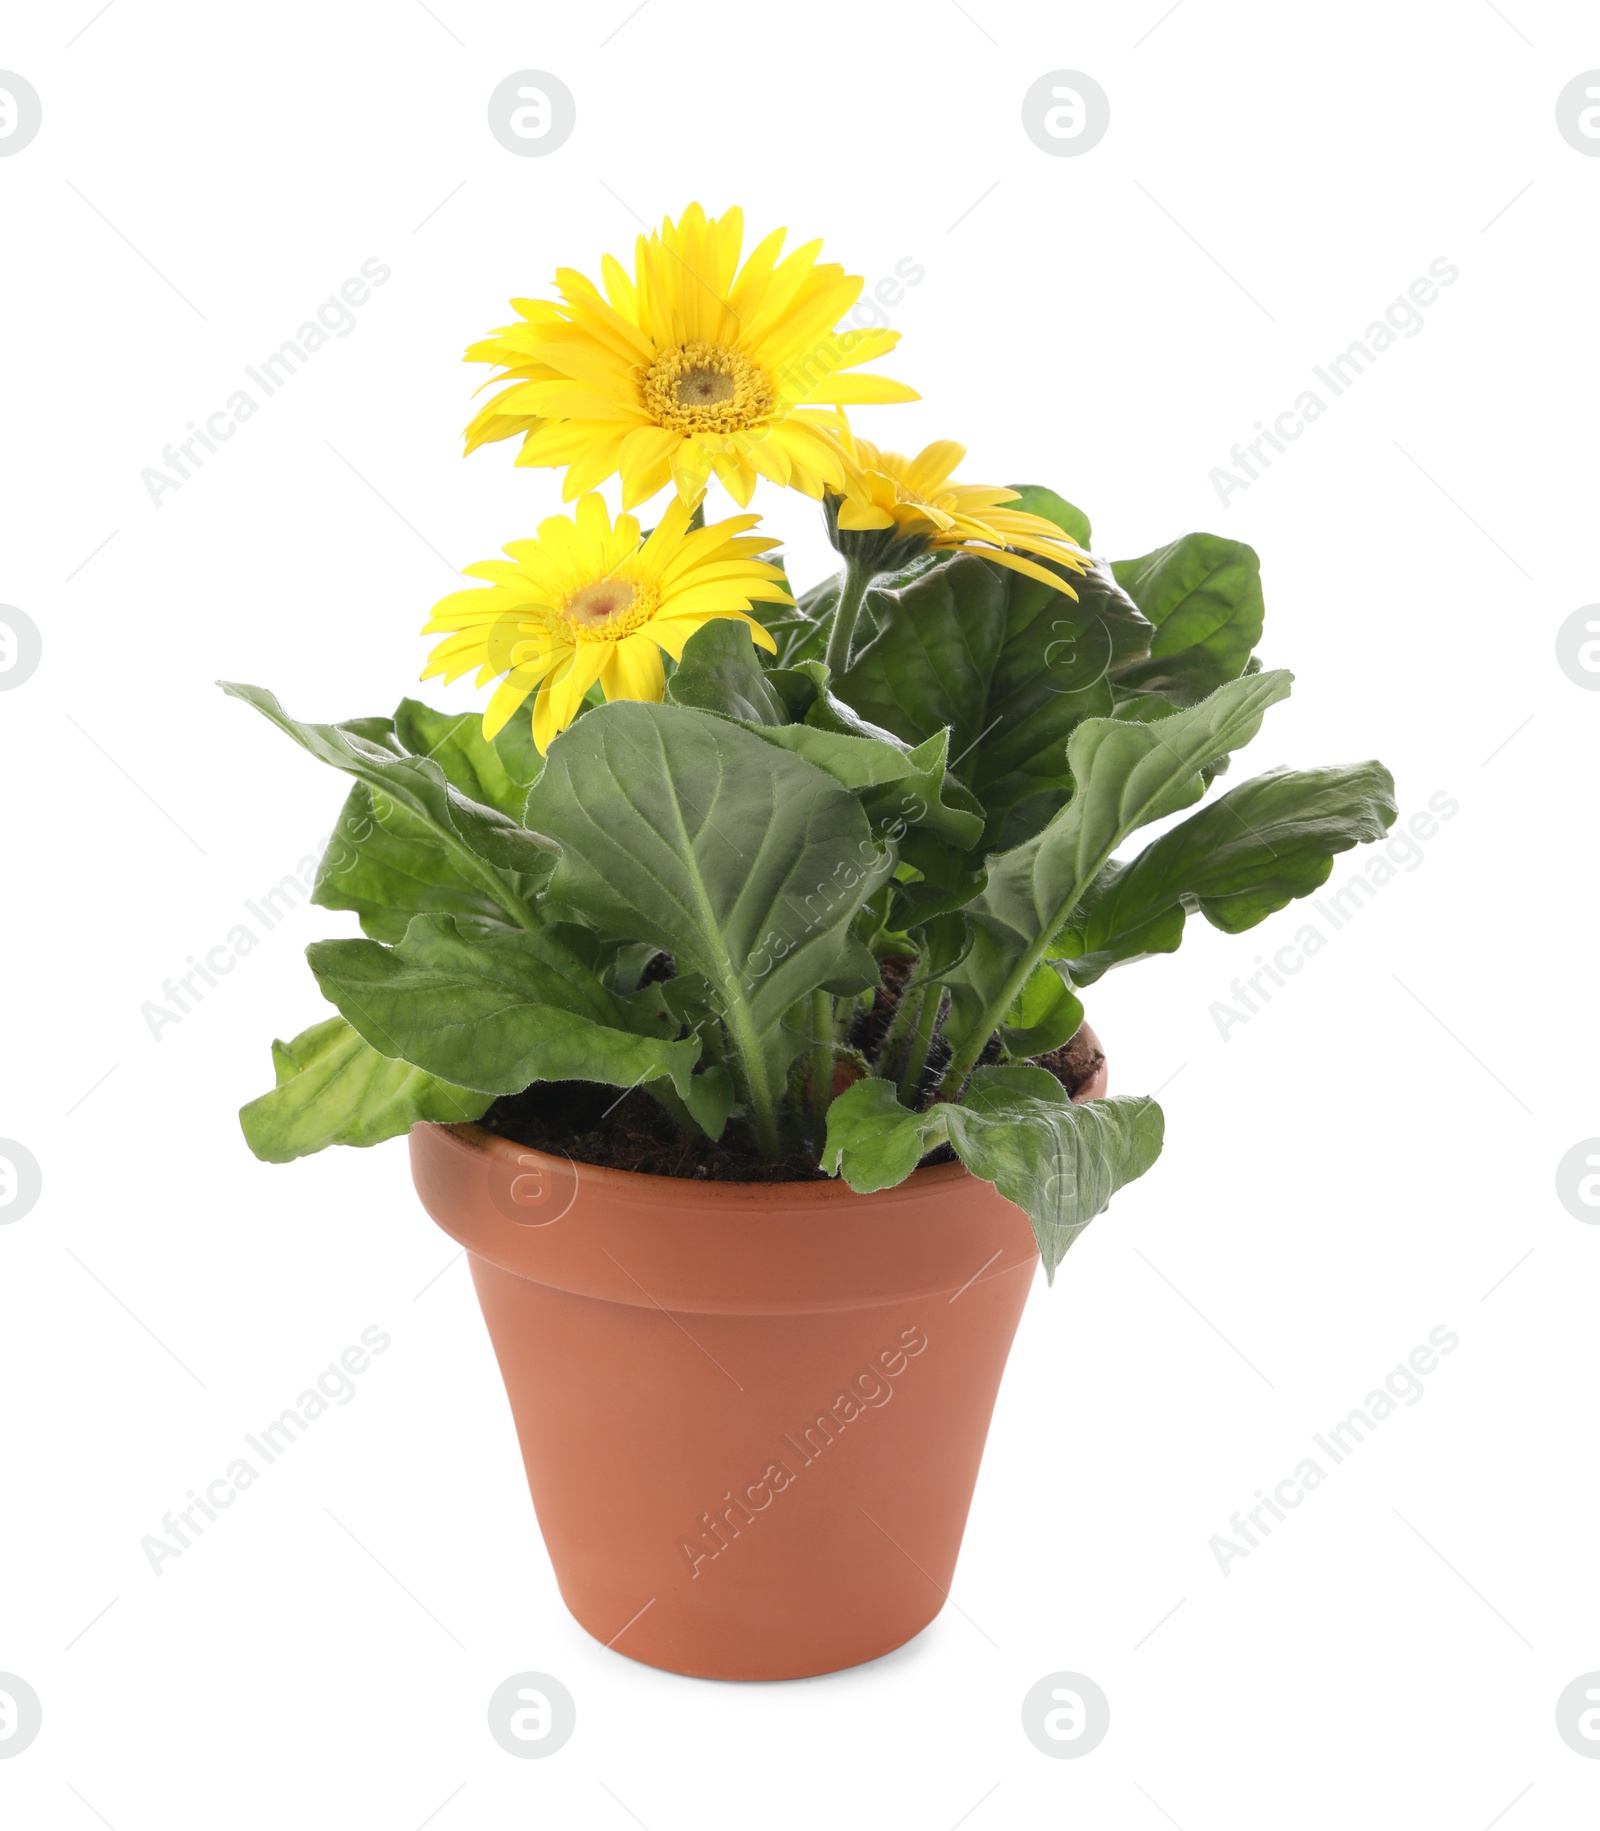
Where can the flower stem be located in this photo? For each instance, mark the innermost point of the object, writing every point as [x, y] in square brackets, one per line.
[851, 593]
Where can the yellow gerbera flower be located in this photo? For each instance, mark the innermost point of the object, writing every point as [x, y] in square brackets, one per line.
[694, 365]
[588, 601]
[918, 497]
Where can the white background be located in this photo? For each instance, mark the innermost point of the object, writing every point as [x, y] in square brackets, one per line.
[1342, 1173]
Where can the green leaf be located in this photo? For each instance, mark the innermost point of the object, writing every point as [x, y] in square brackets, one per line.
[414, 798]
[802, 633]
[1035, 499]
[496, 1011]
[391, 869]
[1009, 665]
[1249, 853]
[943, 942]
[721, 672]
[710, 1100]
[900, 788]
[498, 774]
[1060, 1163]
[873, 1141]
[949, 880]
[333, 1088]
[1044, 1015]
[391, 866]
[1203, 594]
[901, 785]
[1127, 776]
[745, 863]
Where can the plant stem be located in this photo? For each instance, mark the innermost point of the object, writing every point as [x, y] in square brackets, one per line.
[750, 1069]
[905, 1012]
[908, 1014]
[845, 1012]
[851, 593]
[955, 1075]
[931, 1002]
[821, 1064]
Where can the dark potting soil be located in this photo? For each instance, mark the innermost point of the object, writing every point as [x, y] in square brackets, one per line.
[593, 1124]
[590, 1124]
[1075, 1063]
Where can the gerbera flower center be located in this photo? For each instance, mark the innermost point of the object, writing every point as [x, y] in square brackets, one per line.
[703, 387]
[609, 609]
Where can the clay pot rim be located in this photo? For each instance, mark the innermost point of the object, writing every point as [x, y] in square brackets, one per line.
[690, 1247]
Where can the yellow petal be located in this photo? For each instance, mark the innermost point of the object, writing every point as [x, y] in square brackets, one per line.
[858, 390]
[672, 632]
[594, 520]
[646, 448]
[857, 517]
[737, 477]
[928, 472]
[562, 694]
[503, 705]
[691, 466]
[634, 671]
[1018, 564]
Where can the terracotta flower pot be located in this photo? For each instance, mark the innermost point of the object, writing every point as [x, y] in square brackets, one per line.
[751, 1414]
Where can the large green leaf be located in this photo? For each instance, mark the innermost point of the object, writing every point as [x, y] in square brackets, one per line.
[1127, 775]
[1010, 665]
[1203, 594]
[747, 864]
[334, 1088]
[496, 1010]
[1249, 853]
[1015, 1127]
[413, 797]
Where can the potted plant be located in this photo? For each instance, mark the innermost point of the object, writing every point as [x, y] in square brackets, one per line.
[726, 974]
